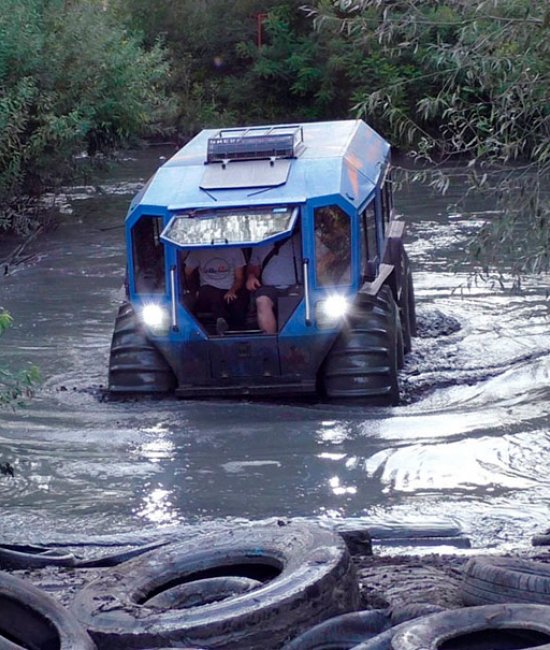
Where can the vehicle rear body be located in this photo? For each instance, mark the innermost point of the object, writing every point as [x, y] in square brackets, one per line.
[327, 185]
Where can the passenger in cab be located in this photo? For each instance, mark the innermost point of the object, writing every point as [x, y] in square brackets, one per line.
[221, 290]
[274, 270]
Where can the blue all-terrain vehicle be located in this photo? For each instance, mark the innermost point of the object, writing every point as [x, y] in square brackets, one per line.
[345, 324]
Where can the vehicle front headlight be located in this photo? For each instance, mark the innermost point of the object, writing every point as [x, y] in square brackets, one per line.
[156, 318]
[330, 311]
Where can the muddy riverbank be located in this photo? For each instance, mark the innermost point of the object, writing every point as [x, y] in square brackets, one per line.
[386, 578]
[395, 563]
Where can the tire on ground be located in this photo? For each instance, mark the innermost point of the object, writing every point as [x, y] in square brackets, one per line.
[343, 631]
[410, 611]
[20, 556]
[505, 580]
[399, 618]
[362, 365]
[348, 630]
[306, 574]
[30, 618]
[494, 623]
[135, 364]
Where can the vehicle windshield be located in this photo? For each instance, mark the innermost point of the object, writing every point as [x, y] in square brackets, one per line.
[239, 226]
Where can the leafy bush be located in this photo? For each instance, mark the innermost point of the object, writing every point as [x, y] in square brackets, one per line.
[476, 91]
[71, 79]
[15, 387]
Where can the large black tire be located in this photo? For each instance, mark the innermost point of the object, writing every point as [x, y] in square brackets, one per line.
[306, 574]
[19, 556]
[346, 631]
[382, 641]
[32, 620]
[343, 631]
[466, 628]
[395, 620]
[407, 309]
[505, 580]
[362, 365]
[399, 333]
[135, 364]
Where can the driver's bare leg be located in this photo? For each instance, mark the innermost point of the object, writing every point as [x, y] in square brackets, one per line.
[266, 315]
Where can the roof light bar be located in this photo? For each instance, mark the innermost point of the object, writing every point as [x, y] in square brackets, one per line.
[254, 144]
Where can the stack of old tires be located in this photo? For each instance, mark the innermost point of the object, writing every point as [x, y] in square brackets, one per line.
[507, 607]
[253, 587]
[32, 620]
[284, 585]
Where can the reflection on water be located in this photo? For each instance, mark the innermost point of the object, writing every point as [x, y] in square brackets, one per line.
[491, 463]
[157, 507]
[466, 444]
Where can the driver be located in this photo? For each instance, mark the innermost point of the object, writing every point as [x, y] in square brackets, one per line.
[221, 290]
[273, 270]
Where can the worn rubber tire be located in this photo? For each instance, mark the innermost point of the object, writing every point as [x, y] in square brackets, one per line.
[382, 641]
[398, 619]
[306, 570]
[203, 592]
[411, 611]
[31, 619]
[342, 632]
[135, 364]
[20, 556]
[346, 631]
[505, 580]
[499, 622]
[400, 336]
[362, 365]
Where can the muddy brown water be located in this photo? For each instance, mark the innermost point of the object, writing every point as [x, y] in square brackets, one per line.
[469, 445]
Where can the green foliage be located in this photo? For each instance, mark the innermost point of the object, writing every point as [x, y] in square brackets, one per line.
[303, 74]
[214, 49]
[471, 83]
[447, 81]
[6, 321]
[71, 79]
[15, 386]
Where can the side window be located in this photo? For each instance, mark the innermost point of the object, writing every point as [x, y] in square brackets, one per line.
[368, 220]
[369, 243]
[188, 284]
[332, 246]
[148, 256]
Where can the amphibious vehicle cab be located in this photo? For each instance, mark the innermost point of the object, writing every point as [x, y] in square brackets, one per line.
[347, 321]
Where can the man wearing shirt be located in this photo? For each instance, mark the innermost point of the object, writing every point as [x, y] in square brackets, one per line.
[221, 291]
[272, 271]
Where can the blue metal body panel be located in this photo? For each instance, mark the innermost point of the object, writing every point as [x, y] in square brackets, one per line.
[344, 158]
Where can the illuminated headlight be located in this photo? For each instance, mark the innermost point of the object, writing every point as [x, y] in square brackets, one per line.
[328, 312]
[155, 318]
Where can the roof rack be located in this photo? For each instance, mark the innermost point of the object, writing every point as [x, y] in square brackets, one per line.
[255, 143]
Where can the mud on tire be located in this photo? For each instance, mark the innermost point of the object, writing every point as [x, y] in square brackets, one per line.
[305, 571]
[362, 365]
[349, 630]
[135, 364]
[499, 624]
[505, 580]
[30, 618]
[407, 309]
